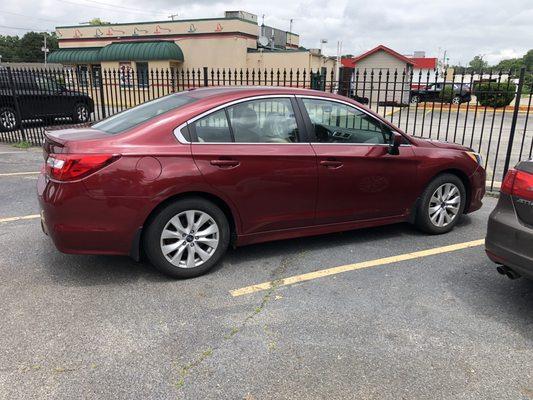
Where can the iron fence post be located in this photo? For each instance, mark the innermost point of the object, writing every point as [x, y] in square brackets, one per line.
[206, 83]
[515, 118]
[15, 101]
[102, 97]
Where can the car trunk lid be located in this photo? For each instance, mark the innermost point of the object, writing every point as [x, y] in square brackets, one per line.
[58, 141]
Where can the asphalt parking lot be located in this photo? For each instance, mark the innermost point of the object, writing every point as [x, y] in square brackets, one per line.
[393, 322]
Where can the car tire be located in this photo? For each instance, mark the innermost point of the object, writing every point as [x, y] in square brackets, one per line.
[441, 205]
[171, 237]
[415, 99]
[81, 113]
[457, 100]
[8, 119]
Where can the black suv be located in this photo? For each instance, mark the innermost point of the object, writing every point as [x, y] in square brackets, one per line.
[446, 92]
[39, 96]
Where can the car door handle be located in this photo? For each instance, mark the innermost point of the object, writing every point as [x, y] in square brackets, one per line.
[333, 164]
[225, 163]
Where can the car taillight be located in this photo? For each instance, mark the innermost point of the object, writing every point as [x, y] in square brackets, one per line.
[69, 167]
[518, 183]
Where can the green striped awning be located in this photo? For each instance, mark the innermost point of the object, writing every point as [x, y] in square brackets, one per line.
[119, 51]
[75, 56]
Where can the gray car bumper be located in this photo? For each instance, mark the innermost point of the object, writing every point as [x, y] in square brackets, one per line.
[508, 241]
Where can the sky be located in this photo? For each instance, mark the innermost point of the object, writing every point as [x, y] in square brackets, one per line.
[491, 28]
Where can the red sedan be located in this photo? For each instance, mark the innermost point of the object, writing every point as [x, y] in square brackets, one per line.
[181, 177]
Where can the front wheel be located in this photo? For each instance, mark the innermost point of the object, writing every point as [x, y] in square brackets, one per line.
[415, 99]
[187, 238]
[81, 113]
[441, 204]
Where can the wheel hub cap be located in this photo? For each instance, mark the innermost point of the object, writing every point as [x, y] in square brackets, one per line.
[189, 239]
[444, 205]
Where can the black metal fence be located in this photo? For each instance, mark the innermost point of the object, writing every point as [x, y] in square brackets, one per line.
[486, 110]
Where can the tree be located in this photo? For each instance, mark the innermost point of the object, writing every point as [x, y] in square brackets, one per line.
[26, 48]
[98, 21]
[528, 60]
[29, 47]
[477, 63]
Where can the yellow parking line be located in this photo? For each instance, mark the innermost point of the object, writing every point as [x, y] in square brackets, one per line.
[352, 267]
[389, 113]
[20, 173]
[10, 219]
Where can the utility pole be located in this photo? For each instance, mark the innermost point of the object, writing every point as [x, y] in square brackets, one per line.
[290, 31]
[172, 16]
[45, 49]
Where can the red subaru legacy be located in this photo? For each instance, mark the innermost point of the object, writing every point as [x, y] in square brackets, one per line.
[181, 177]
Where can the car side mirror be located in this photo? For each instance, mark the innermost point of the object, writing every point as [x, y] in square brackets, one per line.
[395, 142]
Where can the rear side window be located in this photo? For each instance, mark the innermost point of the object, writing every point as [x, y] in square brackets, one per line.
[269, 120]
[137, 115]
[264, 121]
[213, 128]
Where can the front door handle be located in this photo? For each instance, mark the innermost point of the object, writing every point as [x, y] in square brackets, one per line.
[332, 164]
[225, 163]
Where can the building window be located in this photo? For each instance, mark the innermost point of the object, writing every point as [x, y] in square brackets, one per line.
[142, 74]
[125, 74]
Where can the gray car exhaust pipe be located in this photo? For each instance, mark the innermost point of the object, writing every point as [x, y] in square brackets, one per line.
[508, 272]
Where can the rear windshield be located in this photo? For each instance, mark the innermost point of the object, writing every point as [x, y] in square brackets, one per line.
[137, 115]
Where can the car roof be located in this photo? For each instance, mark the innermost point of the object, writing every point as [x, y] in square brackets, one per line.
[247, 91]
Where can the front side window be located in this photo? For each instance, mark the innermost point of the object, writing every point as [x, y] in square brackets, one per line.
[338, 123]
[263, 121]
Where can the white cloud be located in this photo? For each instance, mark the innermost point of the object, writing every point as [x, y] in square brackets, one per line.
[463, 29]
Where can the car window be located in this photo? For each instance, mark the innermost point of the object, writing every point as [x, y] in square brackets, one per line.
[142, 113]
[263, 121]
[213, 128]
[339, 123]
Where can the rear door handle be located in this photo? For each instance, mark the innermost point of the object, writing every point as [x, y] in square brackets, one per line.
[225, 163]
[333, 164]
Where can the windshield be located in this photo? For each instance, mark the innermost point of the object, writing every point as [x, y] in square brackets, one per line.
[137, 115]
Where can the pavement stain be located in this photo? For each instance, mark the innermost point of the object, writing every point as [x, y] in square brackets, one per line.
[184, 371]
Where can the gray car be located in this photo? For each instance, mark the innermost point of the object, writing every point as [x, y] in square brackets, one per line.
[509, 241]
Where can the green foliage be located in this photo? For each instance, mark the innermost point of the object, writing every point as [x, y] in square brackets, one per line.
[26, 48]
[494, 94]
[447, 94]
[477, 63]
[22, 145]
[98, 21]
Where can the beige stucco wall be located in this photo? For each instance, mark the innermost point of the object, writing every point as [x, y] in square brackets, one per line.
[287, 60]
[157, 28]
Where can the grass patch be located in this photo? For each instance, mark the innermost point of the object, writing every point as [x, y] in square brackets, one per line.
[22, 145]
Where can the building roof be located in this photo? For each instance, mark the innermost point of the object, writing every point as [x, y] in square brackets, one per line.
[424, 62]
[351, 62]
[119, 51]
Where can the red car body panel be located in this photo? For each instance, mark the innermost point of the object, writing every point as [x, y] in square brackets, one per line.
[274, 191]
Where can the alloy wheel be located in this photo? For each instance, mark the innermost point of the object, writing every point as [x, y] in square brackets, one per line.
[82, 112]
[444, 205]
[8, 119]
[456, 100]
[189, 239]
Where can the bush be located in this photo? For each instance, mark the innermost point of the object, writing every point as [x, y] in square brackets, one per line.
[494, 94]
[447, 93]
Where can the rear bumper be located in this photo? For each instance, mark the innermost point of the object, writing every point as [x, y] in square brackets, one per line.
[509, 242]
[80, 224]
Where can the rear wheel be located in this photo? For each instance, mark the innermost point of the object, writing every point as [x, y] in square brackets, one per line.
[187, 238]
[456, 100]
[8, 119]
[441, 204]
[81, 113]
[415, 99]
